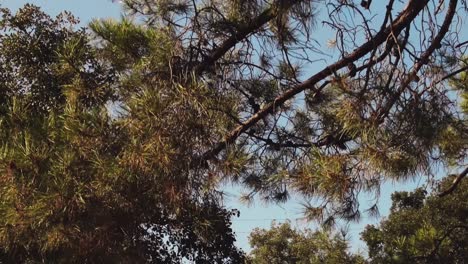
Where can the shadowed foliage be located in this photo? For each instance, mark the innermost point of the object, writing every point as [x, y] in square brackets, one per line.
[84, 184]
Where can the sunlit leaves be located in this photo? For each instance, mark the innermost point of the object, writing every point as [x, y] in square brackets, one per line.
[284, 244]
[421, 228]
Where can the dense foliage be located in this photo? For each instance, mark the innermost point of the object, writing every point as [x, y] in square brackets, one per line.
[422, 228]
[283, 245]
[115, 140]
[82, 183]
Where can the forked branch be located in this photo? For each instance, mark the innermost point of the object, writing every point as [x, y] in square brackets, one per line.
[404, 19]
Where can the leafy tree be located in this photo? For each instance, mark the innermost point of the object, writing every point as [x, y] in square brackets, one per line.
[43, 57]
[422, 228]
[282, 244]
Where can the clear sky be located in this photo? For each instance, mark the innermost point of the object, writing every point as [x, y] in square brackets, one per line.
[258, 214]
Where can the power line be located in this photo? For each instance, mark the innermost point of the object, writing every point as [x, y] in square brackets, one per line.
[265, 219]
[280, 219]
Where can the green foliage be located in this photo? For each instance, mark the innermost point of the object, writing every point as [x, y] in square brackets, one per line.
[114, 142]
[349, 128]
[422, 228]
[453, 141]
[282, 244]
[460, 83]
[341, 135]
[128, 44]
[82, 183]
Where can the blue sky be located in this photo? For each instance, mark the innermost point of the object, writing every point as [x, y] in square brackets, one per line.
[83, 9]
[257, 214]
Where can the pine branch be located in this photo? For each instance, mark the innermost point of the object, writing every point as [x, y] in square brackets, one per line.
[450, 75]
[405, 18]
[424, 59]
[455, 183]
[242, 33]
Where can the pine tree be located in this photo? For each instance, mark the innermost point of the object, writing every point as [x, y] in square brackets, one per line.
[384, 110]
[84, 182]
[116, 140]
